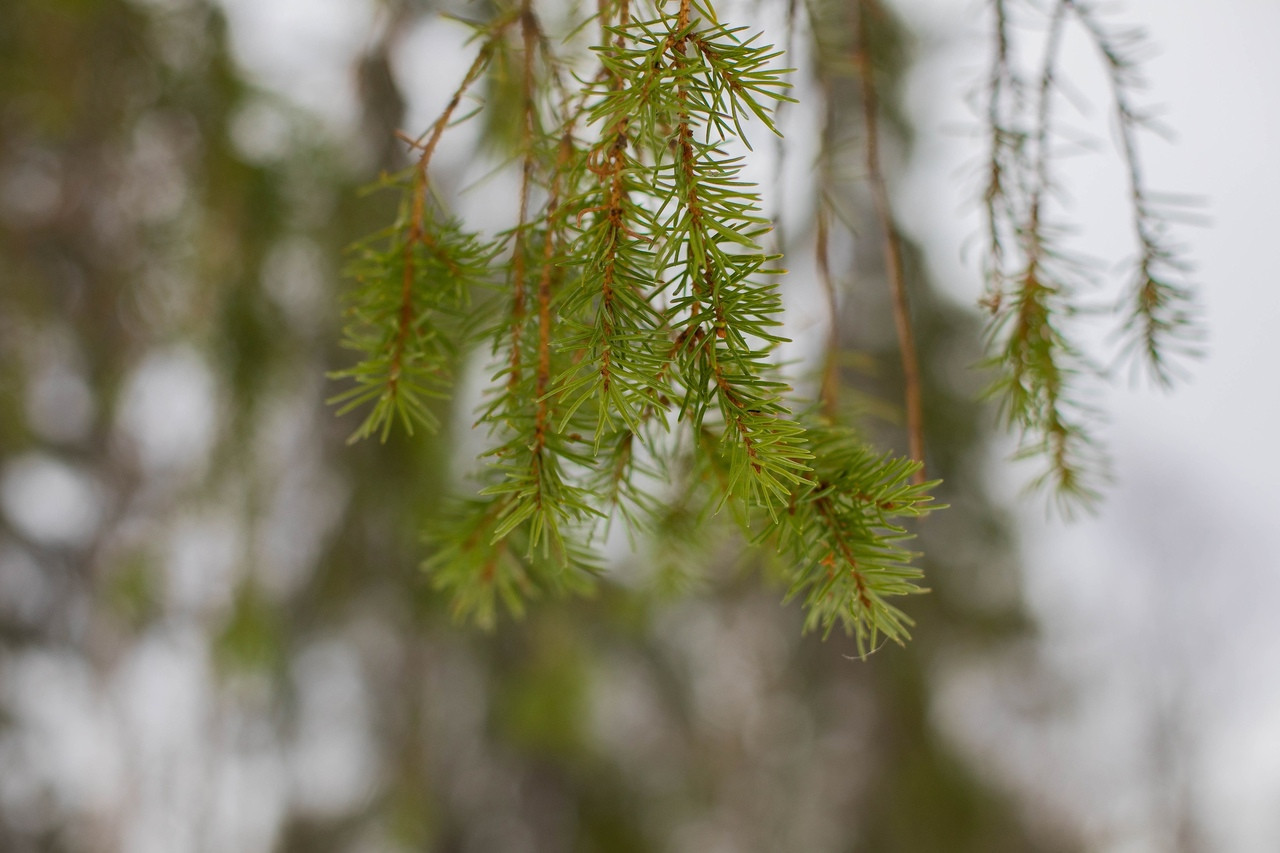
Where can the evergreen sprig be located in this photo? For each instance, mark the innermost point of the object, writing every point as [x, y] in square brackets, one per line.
[631, 318]
[1035, 282]
[408, 320]
[634, 332]
[843, 530]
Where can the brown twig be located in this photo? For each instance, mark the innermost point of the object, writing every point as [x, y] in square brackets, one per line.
[829, 389]
[417, 221]
[544, 299]
[518, 260]
[829, 393]
[437, 130]
[1000, 81]
[892, 249]
[842, 543]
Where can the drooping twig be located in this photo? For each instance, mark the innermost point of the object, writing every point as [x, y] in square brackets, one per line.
[417, 223]
[1001, 85]
[892, 247]
[518, 260]
[829, 392]
[1159, 319]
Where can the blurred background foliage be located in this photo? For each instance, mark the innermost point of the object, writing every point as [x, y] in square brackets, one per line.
[216, 633]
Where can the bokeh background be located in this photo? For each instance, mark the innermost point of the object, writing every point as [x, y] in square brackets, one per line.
[214, 631]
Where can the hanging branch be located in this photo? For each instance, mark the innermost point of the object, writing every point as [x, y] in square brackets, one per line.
[538, 500]
[635, 368]
[414, 279]
[1039, 362]
[844, 533]
[519, 535]
[1160, 317]
[518, 255]
[1032, 279]
[892, 247]
[621, 335]
[1003, 159]
[636, 353]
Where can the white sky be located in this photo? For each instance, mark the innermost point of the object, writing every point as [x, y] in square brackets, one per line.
[1168, 596]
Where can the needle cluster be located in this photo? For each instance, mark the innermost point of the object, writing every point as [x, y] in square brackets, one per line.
[631, 317]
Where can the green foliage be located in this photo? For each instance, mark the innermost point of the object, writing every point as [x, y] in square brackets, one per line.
[408, 337]
[636, 305]
[632, 318]
[843, 531]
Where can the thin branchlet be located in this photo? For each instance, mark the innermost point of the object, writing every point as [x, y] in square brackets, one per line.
[395, 317]
[1159, 316]
[519, 260]
[892, 243]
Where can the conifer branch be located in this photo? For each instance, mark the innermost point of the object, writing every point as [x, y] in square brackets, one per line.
[1040, 361]
[635, 331]
[1160, 320]
[843, 531]
[1002, 150]
[1033, 279]
[406, 353]
[635, 324]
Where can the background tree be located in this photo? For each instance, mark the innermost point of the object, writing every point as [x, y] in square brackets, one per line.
[190, 527]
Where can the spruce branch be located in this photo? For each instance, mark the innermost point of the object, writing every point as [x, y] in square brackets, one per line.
[407, 319]
[636, 323]
[716, 220]
[529, 476]
[618, 328]
[1040, 363]
[634, 339]
[1160, 324]
[411, 276]
[482, 561]
[843, 531]
[1034, 281]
